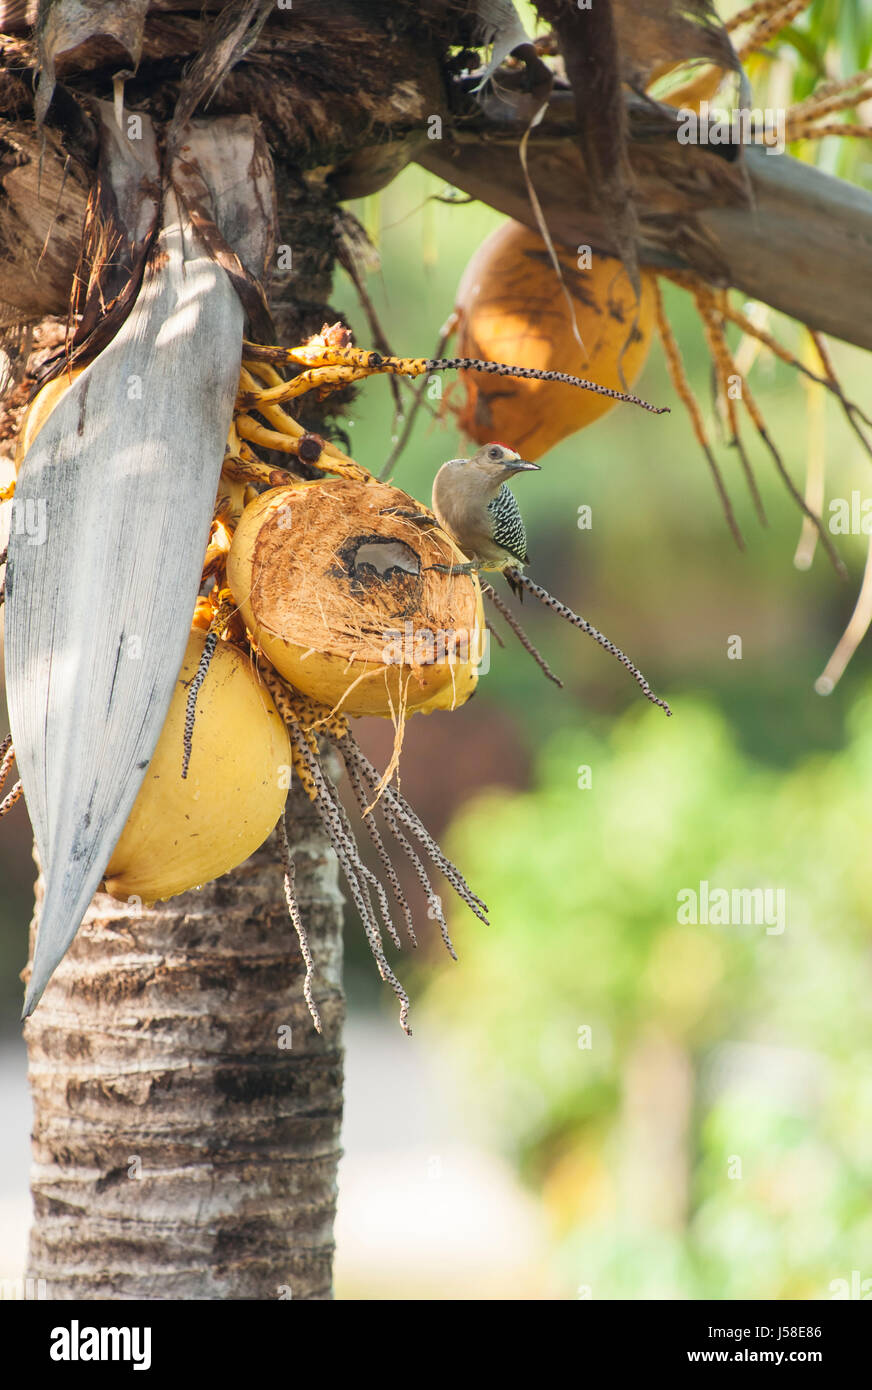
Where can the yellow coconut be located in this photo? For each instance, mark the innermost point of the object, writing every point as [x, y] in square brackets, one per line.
[511, 309]
[339, 595]
[182, 833]
[40, 409]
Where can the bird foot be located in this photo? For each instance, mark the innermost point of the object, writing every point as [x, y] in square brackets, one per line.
[469, 568]
[407, 515]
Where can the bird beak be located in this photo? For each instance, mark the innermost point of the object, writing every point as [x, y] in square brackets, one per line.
[521, 466]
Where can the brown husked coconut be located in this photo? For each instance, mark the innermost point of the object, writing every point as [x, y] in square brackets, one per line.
[340, 596]
[511, 308]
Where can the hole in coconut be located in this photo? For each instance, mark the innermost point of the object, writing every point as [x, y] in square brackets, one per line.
[384, 556]
[386, 569]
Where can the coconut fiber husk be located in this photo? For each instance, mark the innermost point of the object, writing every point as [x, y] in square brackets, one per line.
[363, 621]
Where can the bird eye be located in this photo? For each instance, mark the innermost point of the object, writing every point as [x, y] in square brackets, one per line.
[495, 453]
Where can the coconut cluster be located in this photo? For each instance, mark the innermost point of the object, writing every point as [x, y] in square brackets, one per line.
[333, 592]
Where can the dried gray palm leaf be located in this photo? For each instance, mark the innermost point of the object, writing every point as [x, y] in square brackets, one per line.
[112, 515]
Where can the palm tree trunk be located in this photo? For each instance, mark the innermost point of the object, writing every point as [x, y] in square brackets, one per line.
[186, 1114]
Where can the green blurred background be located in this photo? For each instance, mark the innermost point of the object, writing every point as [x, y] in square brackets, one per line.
[687, 1108]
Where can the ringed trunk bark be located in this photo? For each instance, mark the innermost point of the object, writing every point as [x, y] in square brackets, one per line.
[186, 1114]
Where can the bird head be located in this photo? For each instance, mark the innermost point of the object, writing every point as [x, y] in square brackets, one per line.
[497, 462]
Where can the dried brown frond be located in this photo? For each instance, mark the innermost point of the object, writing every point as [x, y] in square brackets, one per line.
[771, 20]
[713, 306]
[838, 94]
[761, 9]
[767, 340]
[726, 372]
[808, 131]
[760, 426]
[352, 243]
[685, 394]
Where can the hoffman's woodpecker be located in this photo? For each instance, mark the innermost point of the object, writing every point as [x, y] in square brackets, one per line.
[473, 503]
